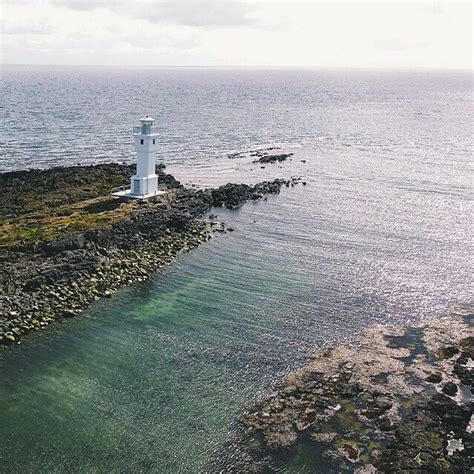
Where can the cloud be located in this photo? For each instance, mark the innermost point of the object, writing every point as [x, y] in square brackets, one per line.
[24, 26]
[193, 33]
[153, 39]
[209, 14]
[397, 44]
[85, 4]
[205, 14]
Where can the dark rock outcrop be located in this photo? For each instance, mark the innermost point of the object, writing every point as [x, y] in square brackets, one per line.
[273, 158]
[234, 195]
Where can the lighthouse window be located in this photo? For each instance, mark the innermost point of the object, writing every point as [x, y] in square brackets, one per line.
[153, 141]
[141, 141]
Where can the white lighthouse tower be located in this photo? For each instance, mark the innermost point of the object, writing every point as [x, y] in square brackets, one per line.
[144, 184]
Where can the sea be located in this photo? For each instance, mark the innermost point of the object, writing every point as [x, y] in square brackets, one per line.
[154, 378]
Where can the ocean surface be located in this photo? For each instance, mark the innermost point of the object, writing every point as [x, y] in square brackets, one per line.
[153, 379]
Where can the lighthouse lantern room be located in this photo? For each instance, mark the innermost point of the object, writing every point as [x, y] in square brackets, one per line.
[144, 184]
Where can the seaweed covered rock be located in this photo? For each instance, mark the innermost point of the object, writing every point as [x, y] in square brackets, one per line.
[372, 407]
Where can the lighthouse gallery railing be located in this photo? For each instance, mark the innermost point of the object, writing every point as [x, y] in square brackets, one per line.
[144, 130]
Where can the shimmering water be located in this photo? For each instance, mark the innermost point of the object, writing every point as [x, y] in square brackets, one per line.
[151, 379]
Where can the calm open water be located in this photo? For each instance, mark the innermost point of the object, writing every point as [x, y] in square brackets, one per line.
[151, 379]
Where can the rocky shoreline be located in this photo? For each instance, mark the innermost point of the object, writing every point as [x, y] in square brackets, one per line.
[61, 251]
[399, 401]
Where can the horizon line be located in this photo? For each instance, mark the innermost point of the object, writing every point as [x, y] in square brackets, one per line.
[261, 66]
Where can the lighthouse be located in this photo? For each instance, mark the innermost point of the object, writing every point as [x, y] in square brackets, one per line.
[144, 183]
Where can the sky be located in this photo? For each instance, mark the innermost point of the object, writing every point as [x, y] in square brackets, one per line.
[377, 34]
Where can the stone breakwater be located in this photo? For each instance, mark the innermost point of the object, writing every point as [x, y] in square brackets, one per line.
[397, 402]
[61, 251]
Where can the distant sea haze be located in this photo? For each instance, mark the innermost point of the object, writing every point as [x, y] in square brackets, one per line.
[381, 233]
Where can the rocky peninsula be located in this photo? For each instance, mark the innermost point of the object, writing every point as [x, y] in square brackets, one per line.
[398, 401]
[61, 251]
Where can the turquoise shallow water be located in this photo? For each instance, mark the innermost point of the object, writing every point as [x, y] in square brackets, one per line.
[152, 379]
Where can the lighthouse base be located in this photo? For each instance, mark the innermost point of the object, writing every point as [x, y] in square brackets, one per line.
[141, 187]
[127, 193]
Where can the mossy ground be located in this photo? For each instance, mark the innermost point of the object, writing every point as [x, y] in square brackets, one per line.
[45, 204]
[64, 221]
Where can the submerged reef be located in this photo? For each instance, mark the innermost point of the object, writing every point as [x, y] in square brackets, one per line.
[399, 401]
[264, 158]
[263, 155]
[66, 242]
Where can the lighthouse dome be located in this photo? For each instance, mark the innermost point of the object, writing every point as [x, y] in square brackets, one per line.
[148, 120]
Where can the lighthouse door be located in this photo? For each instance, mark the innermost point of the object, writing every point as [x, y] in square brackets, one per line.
[136, 186]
